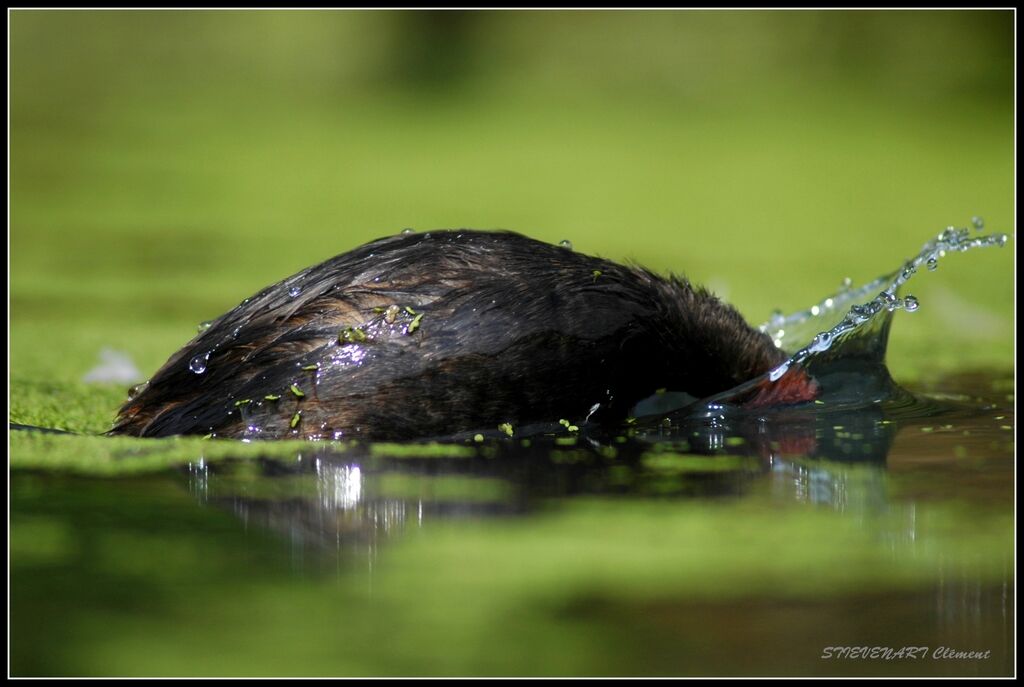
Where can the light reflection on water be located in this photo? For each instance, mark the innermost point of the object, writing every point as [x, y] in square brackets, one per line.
[341, 486]
[350, 496]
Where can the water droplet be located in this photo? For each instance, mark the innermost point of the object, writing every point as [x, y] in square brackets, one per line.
[846, 284]
[136, 390]
[932, 264]
[910, 304]
[978, 222]
[822, 341]
[565, 243]
[407, 231]
[203, 326]
[778, 372]
[198, 364]
[294, 291]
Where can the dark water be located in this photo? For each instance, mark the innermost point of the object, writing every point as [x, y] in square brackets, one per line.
[651, 552]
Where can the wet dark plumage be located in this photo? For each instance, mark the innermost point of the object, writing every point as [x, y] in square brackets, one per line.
[436, 333]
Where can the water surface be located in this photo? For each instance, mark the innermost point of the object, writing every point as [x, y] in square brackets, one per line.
[639, 556]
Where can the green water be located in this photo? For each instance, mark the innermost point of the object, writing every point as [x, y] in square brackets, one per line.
[166, 166]
[501, 560]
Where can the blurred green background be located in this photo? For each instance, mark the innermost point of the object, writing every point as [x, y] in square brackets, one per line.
[165, 165]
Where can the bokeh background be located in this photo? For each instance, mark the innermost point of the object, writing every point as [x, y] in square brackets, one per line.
[164, 165]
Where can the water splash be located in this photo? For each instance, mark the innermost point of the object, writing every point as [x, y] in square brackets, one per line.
[853, 323]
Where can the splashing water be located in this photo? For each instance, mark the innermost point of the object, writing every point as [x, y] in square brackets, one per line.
[850, 326]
